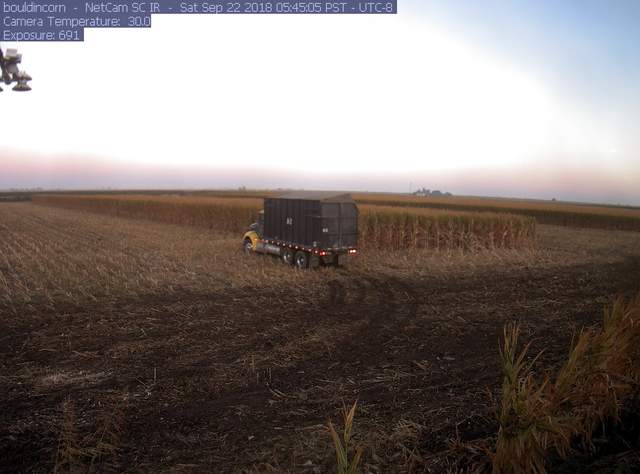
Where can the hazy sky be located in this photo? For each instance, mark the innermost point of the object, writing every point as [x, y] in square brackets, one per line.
[514, 98]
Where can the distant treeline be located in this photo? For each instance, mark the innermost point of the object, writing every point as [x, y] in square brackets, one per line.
[14, 197]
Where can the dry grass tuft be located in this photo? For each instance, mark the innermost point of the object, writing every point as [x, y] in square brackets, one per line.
[96, 452]
[69, 454]
[105, 442]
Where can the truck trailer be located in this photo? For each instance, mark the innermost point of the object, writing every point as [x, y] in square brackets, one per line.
[306, 229]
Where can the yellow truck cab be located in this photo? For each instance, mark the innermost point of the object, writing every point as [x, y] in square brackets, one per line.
[253, 235]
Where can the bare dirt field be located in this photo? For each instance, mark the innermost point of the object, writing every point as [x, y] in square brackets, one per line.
[160, 348]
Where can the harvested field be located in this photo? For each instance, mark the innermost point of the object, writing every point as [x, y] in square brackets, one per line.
[154, 347]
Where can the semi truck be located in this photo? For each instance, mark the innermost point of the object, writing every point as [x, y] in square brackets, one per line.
[306, 229]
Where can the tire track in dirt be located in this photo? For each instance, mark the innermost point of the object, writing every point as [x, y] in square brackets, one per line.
[394, 300]
[375, 307]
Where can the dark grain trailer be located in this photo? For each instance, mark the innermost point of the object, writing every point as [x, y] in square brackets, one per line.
[306, 228]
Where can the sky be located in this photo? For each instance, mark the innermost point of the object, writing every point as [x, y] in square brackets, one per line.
[486, 97]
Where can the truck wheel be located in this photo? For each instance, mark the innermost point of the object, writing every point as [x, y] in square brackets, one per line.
[247, 246]
[302, 260]
[287, 256]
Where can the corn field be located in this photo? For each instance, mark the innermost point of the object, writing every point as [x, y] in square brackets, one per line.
[221, 214]
[381, 227]
[386, 227]
[566, 214]
[545, 212]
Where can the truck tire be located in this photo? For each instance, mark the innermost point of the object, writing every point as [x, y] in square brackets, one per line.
[247, 246]
[302, 260]
[287, 256]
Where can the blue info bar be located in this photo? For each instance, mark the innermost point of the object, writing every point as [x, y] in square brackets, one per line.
[66, 20]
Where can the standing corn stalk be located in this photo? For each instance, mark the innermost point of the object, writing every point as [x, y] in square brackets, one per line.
[381, 227]
[342, 444]
[601, 372]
